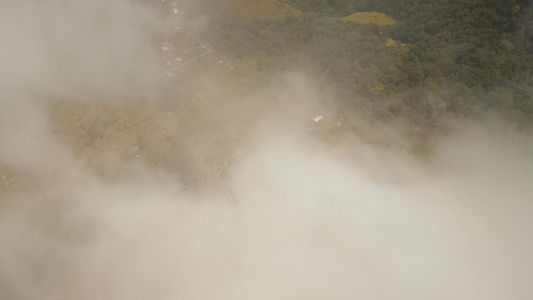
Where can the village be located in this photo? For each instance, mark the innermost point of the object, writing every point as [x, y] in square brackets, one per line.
[201, 90]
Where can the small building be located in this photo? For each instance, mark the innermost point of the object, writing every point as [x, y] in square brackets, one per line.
[318, 119]
[166, 47]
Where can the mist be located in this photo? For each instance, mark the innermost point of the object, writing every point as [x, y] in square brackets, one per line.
[118, 187]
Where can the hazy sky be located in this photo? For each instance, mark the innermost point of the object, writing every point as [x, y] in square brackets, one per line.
[305, 220]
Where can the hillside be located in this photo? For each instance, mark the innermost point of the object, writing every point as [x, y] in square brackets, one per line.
[474, 57]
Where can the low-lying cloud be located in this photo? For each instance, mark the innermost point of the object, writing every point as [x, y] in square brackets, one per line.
[303, 223]
[74, 48]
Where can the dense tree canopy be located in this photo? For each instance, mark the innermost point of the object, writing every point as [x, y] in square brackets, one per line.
[474, 56]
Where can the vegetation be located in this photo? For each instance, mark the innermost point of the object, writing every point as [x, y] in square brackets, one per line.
[257, 8]
[370, 18]
[460, 57]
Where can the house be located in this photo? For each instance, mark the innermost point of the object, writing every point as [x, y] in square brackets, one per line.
[166, 47]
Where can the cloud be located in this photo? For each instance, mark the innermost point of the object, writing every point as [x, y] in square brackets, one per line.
[304, 223]
[57, 47]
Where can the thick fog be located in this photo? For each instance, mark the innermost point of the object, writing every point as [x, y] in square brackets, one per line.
[293, 217]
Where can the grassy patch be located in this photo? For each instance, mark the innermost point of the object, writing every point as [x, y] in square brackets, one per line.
[370, 18]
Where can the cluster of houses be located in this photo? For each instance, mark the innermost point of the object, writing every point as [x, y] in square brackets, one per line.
[170, 55]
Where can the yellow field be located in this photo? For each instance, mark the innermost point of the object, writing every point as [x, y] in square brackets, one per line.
[257, 8]
[370, 18]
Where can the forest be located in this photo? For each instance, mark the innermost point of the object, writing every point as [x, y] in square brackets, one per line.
[456, 58]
